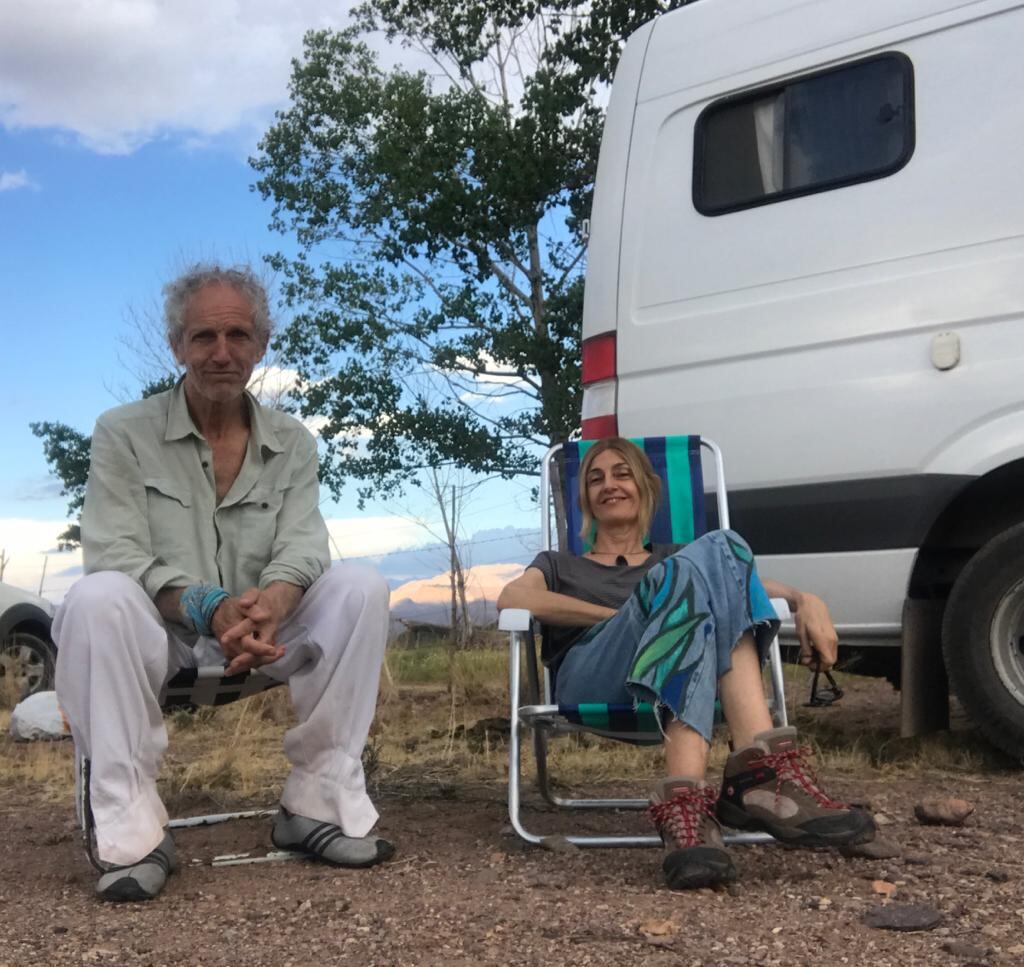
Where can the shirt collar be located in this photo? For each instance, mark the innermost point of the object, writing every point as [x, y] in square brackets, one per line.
[180, 425]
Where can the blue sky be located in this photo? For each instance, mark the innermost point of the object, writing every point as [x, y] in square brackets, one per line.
[125, 128]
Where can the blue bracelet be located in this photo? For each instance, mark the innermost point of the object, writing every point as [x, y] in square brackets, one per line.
[198, 603]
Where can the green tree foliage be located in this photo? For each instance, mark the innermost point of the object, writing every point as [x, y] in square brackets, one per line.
[437, 293]
[67, 453]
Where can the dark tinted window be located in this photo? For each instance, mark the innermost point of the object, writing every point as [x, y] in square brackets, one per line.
[831, 129]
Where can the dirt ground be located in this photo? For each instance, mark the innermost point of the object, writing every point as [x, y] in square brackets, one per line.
[463, 889]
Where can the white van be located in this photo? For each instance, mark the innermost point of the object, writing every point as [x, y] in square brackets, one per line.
[807, 243]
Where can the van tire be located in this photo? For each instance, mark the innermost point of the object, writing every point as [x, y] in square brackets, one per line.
[983, 640]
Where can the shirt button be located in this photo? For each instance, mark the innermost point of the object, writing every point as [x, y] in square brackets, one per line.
[205, 464]
[265, 506]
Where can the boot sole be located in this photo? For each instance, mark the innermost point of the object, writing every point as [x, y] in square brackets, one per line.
[735, 818]
[384, 852]
[706, 868]
[127, 890]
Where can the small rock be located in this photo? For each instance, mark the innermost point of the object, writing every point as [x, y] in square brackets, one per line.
[558, 844]
[943, 812]
[60, 928]
[917, 859]
[960, 948]
[877, 849]
[883, 888]
[658, 928]
[903, 917]
[997, 876]
[881, 819]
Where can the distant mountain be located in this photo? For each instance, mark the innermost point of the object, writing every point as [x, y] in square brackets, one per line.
[430, 599]
[505, 545]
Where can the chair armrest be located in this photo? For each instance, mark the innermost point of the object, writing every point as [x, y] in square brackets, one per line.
[514, 619]
[781, 609]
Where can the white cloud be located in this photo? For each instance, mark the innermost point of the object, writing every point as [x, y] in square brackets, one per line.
[497, 384]
[28, 544]
[119, 73]
[373, 536]
[272, 386]
[13, 180]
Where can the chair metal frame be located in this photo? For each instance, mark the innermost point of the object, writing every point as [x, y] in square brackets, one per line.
[541, 717]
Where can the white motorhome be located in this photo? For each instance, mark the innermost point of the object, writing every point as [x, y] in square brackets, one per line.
[807, 243]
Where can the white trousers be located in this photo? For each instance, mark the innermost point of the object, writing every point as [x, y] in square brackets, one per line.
[114, 654]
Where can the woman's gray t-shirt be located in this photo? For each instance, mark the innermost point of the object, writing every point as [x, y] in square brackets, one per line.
[608, 585]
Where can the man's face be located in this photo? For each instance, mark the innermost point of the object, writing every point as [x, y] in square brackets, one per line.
[219, 347]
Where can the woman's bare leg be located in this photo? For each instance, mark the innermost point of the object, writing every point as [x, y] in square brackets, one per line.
[686, 752]
[742, 693]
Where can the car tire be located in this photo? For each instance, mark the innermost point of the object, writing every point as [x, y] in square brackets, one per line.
[26, 664]
[983, 640]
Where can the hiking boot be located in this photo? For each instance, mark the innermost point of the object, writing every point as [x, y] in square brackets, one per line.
[684, 813]
[327, 843]
[771, 786]
[143, 880]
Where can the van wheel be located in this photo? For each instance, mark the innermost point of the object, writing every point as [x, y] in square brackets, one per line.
[983, 640]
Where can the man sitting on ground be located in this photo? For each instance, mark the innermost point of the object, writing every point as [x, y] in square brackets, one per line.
[204, 544]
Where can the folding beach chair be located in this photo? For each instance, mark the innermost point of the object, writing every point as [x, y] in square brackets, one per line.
[680, 519]
[206, 685]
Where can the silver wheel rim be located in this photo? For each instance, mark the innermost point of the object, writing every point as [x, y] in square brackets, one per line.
[1006, 640]
[22, 666]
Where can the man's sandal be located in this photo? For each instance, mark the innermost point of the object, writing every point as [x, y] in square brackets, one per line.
[327, 843]
[143, 880]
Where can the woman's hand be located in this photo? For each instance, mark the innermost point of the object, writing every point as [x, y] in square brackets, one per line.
[819, 642]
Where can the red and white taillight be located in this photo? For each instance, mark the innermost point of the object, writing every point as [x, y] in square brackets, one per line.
[600, 385]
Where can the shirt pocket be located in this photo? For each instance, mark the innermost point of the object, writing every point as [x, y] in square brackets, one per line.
[172, 526]
[254, 523]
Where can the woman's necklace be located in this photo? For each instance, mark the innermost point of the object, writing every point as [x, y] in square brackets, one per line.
[620, 558]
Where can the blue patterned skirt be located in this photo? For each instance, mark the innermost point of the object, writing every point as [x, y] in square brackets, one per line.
[672, 640]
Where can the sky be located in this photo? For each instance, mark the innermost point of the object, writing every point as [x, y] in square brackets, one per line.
[125, 129]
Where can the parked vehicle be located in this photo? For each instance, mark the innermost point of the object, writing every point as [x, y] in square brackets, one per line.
[807, 243]
[27, 652]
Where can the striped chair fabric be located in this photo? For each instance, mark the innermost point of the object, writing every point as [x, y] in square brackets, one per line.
[210, 686]
[680, 518]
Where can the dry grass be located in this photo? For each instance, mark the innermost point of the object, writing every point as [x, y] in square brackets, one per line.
[427, 735]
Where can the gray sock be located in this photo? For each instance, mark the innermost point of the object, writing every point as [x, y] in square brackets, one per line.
[326, 842]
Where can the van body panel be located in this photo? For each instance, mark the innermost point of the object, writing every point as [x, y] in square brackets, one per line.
[880, 575]
[741, 43]
[799, 334]
[600, 295]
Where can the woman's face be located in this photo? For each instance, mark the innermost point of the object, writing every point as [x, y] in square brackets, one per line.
[611, 489]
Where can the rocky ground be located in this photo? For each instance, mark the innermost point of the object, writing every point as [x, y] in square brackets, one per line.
[462, 889]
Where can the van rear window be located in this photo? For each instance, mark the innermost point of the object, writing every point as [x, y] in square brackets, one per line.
[839, 127]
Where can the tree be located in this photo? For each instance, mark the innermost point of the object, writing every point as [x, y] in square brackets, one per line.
[67, 453]
[438, 287]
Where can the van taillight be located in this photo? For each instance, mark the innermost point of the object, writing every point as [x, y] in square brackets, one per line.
[600, 387]
[599, 358]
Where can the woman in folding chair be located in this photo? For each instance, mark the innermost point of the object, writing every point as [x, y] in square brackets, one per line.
[676, 627]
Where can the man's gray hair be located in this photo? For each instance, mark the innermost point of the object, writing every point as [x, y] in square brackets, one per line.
[178, 294]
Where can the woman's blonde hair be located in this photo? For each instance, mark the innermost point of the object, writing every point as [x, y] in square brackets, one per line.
[648, 483]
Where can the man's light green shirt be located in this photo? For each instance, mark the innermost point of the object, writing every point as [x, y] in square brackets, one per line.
[151, 507]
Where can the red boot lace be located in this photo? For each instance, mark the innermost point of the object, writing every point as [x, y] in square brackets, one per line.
[795, 764]
[680, 816]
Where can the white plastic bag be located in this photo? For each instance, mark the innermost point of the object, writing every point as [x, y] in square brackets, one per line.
[39, 717]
